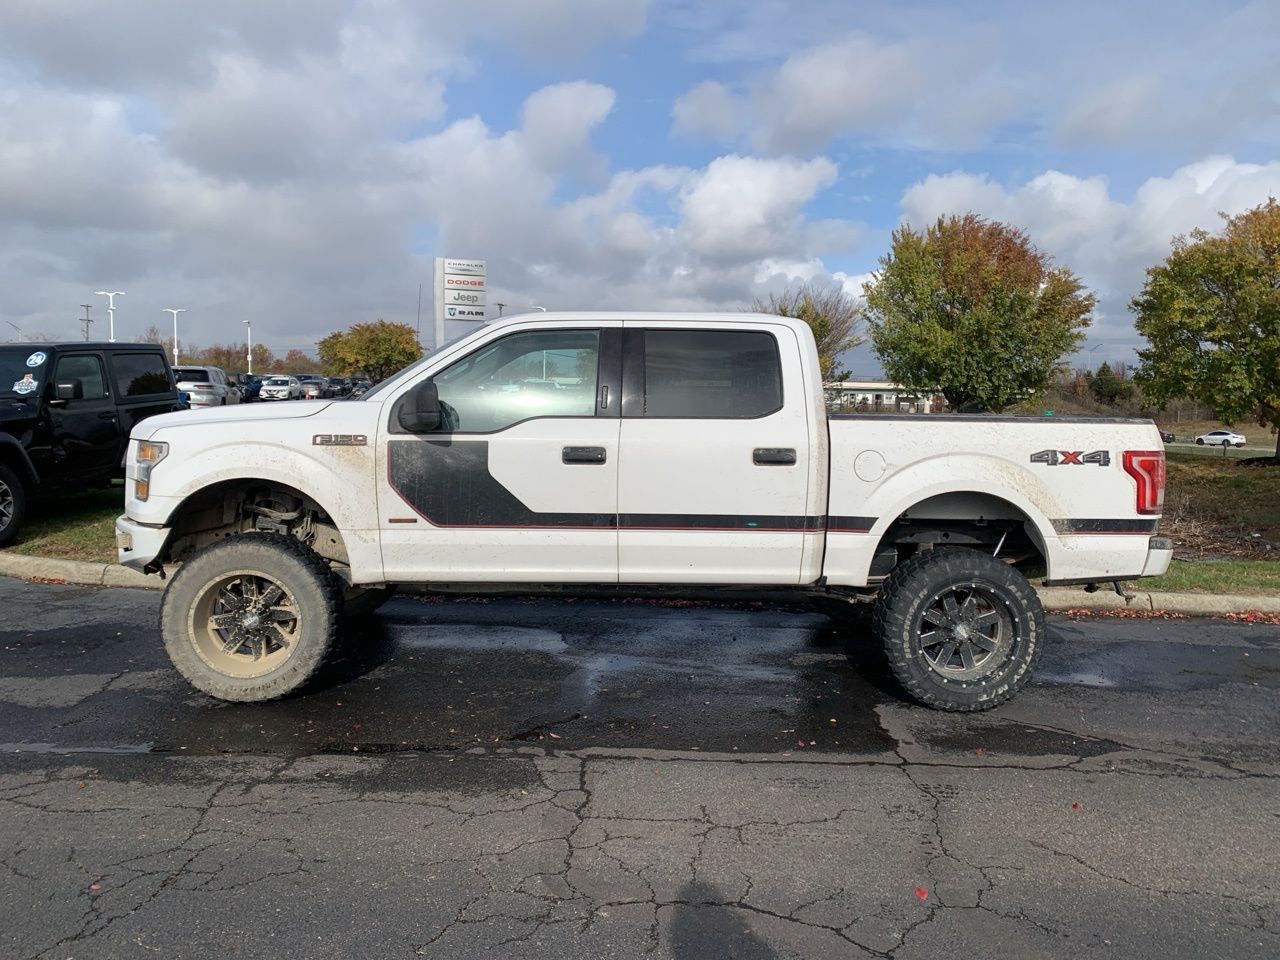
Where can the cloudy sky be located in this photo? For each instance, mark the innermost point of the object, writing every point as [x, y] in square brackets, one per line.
[299, 163]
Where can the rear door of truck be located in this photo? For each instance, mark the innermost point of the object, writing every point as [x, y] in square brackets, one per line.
[715, 467]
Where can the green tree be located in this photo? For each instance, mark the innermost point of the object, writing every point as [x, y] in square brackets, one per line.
[1211, 314]
[972, 309]
[376, 349]
[1111, 386]
[831, 313]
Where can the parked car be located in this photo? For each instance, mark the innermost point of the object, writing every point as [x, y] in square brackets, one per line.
[280, 388]
[314, 390]
[207, 386]
[1220, 438]
[1167, 436]
[678, 452]
[66, 410]
[339, 386]
[360, 387]
[250, 387]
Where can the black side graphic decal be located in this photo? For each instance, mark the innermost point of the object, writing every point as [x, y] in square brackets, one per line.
[449, 484]
[1133, 527]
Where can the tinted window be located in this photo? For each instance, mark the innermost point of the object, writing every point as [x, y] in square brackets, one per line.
[544, 373]
[140, 374]
[191, 374]
[711, 373]
[88, 370]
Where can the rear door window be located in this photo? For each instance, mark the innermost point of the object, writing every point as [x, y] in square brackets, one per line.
[711, 374]
[140, 374]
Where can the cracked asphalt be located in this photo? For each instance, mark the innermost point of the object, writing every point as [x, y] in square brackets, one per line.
[545, 778]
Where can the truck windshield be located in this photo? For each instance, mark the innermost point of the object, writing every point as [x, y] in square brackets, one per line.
[22, 371]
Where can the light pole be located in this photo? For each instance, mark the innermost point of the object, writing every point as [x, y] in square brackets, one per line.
[111, 310]
[175, 311]
[248, 333]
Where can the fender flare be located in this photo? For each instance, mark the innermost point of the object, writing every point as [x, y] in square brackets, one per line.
[12, 448]
[923, 480]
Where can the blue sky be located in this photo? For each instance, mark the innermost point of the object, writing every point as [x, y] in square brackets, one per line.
[299, 163]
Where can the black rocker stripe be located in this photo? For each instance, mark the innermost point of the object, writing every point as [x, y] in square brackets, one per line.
[1133, 527]
[850, 524]
[718, 521]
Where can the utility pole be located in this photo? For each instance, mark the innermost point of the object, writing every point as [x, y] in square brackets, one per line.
[500, 306]
[86, 321]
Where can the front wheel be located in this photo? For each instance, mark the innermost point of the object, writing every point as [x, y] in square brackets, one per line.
[13, 505]
[1199, 441]
[251, 617]
[962, 630]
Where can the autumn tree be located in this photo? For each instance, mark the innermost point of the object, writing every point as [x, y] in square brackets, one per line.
[297, 361]
[830, 312]
[1211, 314]
[376, 350]
[971, 308]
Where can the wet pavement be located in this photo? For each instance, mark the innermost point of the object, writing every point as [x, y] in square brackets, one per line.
[552, 778]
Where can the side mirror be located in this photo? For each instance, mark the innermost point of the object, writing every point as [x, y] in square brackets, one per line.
[420, 409]
[70, 390]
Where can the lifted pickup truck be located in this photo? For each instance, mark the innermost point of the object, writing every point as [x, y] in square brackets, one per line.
[656, 451]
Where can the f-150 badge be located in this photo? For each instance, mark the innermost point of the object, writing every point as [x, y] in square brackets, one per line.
[339, 440]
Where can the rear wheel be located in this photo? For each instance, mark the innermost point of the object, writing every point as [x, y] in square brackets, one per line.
[13, 505]
[962, 630]
[251, 617]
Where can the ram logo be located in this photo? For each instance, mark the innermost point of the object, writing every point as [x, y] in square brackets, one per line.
[339, 440]
[1061, 458]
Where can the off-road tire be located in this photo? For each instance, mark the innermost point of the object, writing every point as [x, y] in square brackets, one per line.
[308, 586]
[920, 585]
[14, 494]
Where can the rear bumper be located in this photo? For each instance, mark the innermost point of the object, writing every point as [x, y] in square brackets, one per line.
[137, 544]
[1159, 556]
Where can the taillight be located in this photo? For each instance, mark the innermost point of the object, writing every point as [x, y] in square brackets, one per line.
[1147, 469]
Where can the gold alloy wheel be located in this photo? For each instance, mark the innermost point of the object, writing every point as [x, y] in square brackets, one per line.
[244, 624]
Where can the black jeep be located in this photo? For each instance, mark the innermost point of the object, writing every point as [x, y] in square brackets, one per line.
[66, 411]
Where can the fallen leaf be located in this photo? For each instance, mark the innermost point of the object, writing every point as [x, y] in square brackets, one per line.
[1075, 806]
[922, 893]
[553, 736]
[95, 886]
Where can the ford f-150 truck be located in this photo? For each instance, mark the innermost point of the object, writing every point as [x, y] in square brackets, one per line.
[654, 451]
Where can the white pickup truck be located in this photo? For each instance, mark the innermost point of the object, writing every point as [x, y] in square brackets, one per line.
[669, 452]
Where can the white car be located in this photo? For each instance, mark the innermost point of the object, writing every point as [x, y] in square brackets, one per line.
[206, 386]
[1220, 438]
[672, 451]
[280, 388]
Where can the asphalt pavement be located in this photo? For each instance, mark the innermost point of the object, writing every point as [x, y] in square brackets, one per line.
[547, 778]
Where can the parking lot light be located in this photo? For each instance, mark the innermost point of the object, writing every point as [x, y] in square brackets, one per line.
[175, 311]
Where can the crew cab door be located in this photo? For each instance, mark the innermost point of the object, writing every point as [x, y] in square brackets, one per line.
[84, 428]
[519, 480]
[715, 481]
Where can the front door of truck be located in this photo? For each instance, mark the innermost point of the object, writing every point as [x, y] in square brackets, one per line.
[714, 482]
[519, 482]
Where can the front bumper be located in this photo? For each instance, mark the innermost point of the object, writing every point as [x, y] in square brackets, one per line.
[137, 544]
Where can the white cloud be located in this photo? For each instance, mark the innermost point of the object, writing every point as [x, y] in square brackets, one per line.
[751, 207]
[1107, 241]
[708, 109]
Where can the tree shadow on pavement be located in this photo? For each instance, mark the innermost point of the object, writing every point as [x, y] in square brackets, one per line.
[704, 928]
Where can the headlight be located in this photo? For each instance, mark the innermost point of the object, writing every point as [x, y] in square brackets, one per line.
[149, 454]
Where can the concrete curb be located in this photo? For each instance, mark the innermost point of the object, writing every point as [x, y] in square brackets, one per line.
[1053, 598]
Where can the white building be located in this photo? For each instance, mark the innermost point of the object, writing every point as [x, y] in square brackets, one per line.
[878, 396]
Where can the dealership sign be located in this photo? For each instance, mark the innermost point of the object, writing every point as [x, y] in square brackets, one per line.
[460, 292]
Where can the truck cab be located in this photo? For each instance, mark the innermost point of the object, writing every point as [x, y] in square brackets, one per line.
[650, 451]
